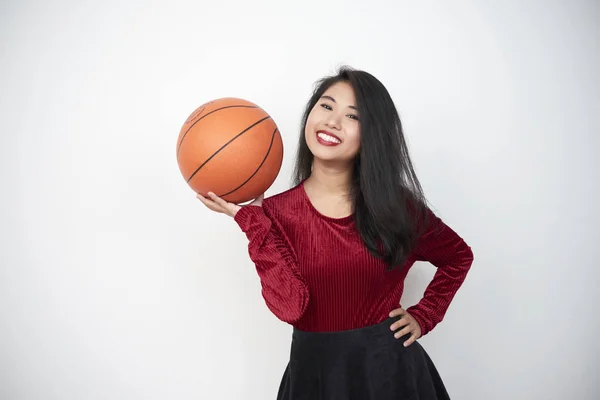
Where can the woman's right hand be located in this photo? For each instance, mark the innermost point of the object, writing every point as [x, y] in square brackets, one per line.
[217, 204]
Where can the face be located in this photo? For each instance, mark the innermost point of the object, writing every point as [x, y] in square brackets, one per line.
[333, 129]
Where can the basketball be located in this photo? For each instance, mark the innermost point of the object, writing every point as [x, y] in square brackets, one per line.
[230, 147]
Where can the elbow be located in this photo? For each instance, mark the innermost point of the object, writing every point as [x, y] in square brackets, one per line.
[288, 308]
[464, 252]
[466, 257]
[462, 259]
[468, 254]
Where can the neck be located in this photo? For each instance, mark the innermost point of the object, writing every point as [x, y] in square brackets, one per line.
[331, 179]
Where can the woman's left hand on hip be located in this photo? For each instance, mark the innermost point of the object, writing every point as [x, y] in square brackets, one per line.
[408, 325]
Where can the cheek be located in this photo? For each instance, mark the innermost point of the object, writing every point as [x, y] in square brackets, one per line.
[312, 117]
[354, 136]
[310, 126]
[307, 130]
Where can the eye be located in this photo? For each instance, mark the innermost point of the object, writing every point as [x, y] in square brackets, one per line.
[326, 106]
[352, 116]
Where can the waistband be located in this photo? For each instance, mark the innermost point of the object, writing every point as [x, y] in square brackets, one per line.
[380, 331]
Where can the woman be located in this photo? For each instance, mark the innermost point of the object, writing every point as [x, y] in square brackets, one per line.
[332, 252]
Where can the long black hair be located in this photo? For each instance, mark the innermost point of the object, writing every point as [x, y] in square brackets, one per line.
[390, 208]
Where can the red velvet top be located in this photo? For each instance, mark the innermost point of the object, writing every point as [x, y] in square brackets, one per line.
[317, 275]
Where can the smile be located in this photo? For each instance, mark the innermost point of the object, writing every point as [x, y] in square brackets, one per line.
[327, 138]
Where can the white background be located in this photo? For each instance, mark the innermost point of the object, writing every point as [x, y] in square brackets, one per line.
[116, 283]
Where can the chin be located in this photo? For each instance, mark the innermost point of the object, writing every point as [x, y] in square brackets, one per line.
[321, 152]
[329, 154]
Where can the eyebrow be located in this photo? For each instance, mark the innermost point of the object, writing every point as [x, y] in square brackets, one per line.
[332, 99]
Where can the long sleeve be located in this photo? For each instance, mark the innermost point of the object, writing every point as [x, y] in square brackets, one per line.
[446, 250]
[283, 289]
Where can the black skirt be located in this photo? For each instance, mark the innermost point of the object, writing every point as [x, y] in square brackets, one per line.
[359, 364]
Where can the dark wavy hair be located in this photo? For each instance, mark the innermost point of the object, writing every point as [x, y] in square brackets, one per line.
[390, 208]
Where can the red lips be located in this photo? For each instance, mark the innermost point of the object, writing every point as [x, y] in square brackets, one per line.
[324, 142]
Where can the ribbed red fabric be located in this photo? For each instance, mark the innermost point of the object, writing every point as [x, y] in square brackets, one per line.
[317, 275]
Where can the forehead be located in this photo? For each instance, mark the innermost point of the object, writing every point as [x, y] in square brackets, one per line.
[342, 92]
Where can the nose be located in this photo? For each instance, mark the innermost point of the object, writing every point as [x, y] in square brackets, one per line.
[333, 121]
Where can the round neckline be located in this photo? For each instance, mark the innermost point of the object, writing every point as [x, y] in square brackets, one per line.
[340, 220]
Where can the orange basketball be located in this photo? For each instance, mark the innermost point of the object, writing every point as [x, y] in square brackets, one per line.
[230, 147]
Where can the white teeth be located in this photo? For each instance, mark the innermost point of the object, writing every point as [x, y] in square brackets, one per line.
[328, 138]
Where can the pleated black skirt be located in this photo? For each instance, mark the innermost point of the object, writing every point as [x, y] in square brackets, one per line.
[359, 364]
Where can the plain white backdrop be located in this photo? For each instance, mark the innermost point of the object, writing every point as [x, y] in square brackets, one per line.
[116, 283]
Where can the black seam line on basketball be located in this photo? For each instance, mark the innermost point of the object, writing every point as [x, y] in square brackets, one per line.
[258, 168]
[206, 115]
[225, 145]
